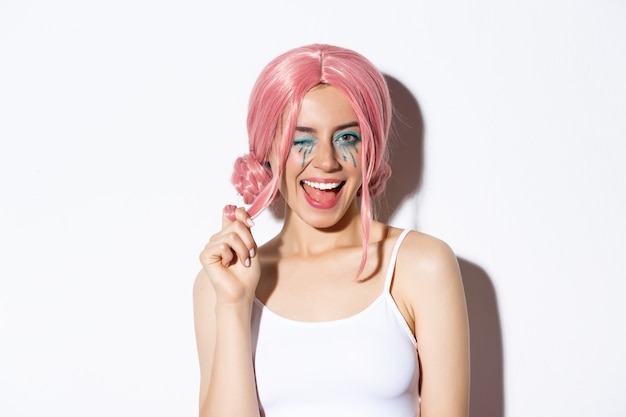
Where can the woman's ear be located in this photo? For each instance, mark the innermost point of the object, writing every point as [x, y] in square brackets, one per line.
[271, 162]
[268, 167]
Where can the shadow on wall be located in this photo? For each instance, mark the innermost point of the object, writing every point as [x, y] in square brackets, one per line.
[407, 162]
[406, 150]
[487, 384]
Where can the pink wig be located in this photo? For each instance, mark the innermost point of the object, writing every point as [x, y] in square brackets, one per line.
[279, 91]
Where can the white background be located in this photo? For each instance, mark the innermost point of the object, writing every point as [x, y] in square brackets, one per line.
[119, 123]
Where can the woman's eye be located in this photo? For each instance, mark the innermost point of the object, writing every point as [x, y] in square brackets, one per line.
[302, 142]
[348, 138]
[303, 146]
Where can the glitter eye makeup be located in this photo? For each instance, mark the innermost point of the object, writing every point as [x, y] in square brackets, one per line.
[304, 146]
[347, 143]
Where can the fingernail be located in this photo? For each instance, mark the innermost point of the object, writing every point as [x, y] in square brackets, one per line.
[252, 252]
[247, 262]
[249, 222]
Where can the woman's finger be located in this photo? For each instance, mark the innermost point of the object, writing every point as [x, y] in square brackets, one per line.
[239, 220]
[228, 214]
[232, 213]
[234, 242]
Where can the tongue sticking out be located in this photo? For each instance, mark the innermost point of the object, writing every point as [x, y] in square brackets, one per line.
[321, 196]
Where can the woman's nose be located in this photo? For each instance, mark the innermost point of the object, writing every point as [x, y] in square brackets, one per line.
[325, 157]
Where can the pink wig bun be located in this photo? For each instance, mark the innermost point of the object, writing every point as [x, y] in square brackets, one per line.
[250, 177]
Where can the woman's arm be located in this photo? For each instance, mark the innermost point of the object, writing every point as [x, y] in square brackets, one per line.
[432, 285]
[223, 294]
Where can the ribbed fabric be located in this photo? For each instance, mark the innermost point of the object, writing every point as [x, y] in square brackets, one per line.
[364, 365]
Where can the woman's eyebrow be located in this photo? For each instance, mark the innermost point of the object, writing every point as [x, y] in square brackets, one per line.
[347, 125]
[305, 129]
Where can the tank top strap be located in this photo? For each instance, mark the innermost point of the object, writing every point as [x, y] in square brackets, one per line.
[392, 261]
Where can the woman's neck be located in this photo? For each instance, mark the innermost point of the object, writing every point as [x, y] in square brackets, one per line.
[299, 238]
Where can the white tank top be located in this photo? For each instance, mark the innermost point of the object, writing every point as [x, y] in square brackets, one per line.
[364, 365]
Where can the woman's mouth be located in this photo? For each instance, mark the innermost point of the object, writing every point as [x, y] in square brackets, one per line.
[322, 194]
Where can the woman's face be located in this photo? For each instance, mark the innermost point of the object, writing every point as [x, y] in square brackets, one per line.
[322, 173]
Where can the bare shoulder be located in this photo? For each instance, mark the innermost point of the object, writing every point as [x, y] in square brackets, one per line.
[424, 257]
[426, 275]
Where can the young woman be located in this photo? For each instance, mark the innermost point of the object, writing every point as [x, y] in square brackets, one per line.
[338, 315]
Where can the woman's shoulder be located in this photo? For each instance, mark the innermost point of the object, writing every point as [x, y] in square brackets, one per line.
[415, 242]
[425, 257]
[425, 272]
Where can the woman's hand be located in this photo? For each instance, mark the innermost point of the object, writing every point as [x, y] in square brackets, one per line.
[222, 311]
[229, 259]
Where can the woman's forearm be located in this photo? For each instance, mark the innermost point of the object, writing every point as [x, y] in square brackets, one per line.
[232, 387]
